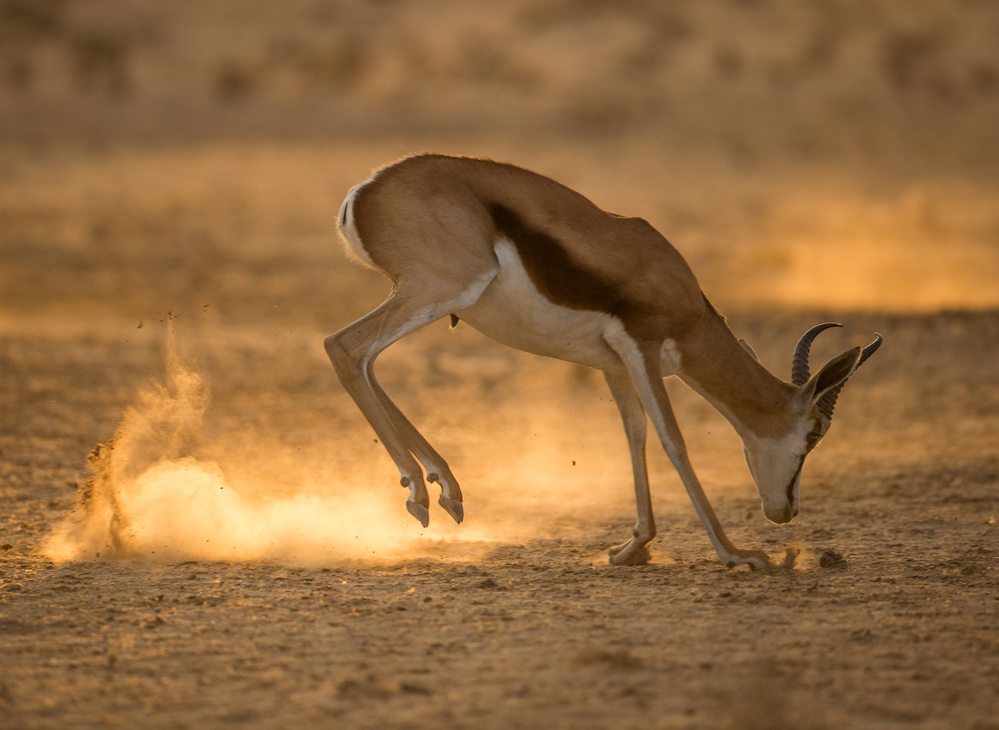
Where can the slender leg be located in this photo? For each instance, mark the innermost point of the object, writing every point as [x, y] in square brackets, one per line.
[634, 551]
[353, 350]
[646, 375]
[433, 463]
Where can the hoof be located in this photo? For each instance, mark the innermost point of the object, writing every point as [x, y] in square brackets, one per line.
[759, 560]
[418, 511]
[619, 555]
[453, 507]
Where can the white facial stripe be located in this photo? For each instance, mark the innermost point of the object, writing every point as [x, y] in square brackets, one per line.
[775, 464]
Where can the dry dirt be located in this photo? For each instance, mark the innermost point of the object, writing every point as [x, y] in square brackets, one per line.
[169, 269]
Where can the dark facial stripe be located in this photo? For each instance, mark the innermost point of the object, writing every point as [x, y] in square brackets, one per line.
[790, 485]
[554, 273]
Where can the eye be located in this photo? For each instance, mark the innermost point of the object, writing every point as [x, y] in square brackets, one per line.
[812, 440]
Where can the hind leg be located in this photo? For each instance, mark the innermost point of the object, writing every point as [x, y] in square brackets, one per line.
[353, 350]
[433, 463]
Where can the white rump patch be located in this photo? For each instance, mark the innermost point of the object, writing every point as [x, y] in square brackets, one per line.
[348, 229]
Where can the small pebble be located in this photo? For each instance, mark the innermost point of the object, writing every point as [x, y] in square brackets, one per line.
[831, 559]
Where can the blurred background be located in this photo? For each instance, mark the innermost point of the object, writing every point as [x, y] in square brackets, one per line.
[167, 156]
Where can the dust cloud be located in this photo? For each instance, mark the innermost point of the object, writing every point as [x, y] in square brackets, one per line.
[164, 489]
[150, 497]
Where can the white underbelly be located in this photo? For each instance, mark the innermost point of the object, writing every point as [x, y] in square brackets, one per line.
[513, 312]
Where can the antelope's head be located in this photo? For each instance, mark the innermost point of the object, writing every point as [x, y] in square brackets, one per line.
[776, 461]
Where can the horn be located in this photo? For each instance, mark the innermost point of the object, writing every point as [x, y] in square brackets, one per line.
[828, 402]
[799, 361]
[869, 350]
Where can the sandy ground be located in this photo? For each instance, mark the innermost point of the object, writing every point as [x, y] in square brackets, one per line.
[168, 190]
[272, 576]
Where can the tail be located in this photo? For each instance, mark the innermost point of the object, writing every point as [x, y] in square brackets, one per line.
[341, 221]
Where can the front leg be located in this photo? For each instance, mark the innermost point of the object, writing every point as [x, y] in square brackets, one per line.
[727, 553]
[645, 370]
[635, 550]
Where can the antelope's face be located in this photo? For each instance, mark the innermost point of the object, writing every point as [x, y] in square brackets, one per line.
[776, 460]
[776, 464]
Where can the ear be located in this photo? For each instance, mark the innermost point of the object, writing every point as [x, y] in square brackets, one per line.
[833, 374]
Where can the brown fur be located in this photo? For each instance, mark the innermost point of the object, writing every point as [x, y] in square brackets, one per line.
[591, 259]
[434, 223]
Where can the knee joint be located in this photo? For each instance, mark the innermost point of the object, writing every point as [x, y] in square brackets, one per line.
[339, 354]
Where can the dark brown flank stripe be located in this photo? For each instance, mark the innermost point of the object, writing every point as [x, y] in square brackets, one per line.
[560, 279]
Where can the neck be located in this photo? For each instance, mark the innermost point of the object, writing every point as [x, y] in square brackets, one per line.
[716, 365]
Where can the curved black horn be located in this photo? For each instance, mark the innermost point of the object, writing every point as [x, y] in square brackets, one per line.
[869, 350]
[799, 361]
[827, 403]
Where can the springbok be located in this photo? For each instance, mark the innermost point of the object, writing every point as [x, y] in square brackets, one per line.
[536, 266]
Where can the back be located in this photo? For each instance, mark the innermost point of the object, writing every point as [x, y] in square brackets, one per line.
[449, 205]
